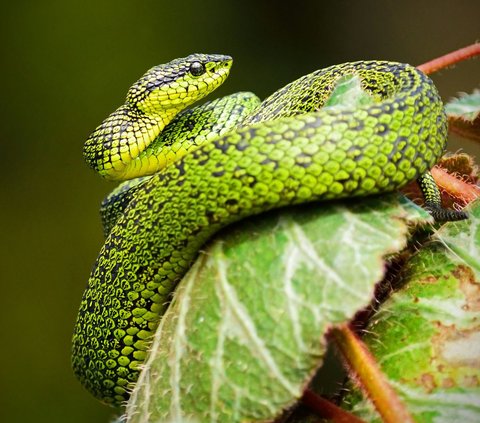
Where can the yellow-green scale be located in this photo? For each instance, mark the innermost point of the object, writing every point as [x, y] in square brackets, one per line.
[187, 131]
[315, 156]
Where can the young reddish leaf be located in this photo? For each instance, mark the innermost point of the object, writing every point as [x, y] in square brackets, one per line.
[464, 115]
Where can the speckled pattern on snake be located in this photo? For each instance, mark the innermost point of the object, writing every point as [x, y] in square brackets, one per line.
[243, 158]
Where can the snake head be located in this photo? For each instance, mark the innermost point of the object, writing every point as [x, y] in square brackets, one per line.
[113, 149]
[179, 83]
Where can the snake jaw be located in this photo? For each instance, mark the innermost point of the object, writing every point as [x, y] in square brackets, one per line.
[174, 86]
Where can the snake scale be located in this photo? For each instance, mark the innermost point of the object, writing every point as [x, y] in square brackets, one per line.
[287, 150]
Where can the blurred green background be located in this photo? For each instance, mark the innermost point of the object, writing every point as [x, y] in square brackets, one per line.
[67, 65]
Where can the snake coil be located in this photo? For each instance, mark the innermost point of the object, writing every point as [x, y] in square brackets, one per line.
[287, 150]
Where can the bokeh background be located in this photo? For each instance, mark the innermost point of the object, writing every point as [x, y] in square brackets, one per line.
[67, 65]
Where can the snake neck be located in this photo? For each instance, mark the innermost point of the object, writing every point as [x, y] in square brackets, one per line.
[119, 148]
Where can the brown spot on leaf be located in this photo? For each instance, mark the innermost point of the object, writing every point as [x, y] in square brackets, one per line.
[471, 381]
[457, 347]
[469, 286]
[430, 279]
[448, 382]
[428, 382]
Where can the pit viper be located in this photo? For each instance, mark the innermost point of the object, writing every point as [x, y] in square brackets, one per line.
[222, 161]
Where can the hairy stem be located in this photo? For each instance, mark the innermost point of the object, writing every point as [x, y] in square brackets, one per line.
[369, 376]
[327, 410]
[450, 59]
[462, 191]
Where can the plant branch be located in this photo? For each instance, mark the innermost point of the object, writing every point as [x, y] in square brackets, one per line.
[450, 59]
[327, 409]
[455, 187]
[369, 376]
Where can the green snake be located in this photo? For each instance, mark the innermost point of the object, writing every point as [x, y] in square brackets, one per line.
[243, 158]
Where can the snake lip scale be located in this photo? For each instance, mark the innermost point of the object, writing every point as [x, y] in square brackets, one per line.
[205, 167]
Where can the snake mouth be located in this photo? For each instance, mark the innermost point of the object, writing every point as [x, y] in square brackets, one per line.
[218, 68]
[188, 89]
[188, 93]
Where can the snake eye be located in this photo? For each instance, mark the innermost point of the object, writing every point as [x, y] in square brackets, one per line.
[197, 68]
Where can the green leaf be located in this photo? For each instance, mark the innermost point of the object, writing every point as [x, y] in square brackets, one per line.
[245, 331]
[426, 336]
[464, 115]
[348, 92]
[467, 106]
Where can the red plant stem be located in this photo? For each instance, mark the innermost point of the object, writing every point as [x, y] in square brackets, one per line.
[327, 409]
[455, 187]
[369, 376]
[450, 58]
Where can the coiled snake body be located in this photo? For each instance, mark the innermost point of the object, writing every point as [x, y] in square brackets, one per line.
[288, 150]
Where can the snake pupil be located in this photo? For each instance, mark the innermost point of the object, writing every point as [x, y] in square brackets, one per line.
[197, 68]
